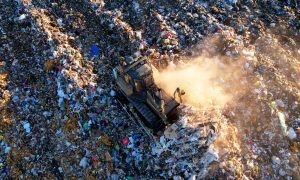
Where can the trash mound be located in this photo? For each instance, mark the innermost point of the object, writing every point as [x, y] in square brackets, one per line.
[59, 117]
[183, 149]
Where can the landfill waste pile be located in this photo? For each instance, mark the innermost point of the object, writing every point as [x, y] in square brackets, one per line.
[237, 60]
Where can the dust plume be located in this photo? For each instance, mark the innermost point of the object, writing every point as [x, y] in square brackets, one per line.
[202, 79]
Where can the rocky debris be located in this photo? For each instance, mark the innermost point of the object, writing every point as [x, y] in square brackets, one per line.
[60, 117]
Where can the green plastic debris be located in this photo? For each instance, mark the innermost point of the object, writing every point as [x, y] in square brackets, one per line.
[130, 178]
[85, 126]
[145, 162]
[117, 147]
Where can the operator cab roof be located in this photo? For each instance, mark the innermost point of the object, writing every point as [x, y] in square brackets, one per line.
[140, 72]
[144, 70]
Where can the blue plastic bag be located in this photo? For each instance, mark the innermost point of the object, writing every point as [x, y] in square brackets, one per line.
[95, 50]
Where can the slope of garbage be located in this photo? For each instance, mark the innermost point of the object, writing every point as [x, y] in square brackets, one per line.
[238, 61]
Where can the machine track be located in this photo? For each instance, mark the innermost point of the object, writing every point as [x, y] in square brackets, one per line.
[133, 116]
[145, 112]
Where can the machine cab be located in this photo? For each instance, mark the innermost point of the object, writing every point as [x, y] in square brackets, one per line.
[135, 77]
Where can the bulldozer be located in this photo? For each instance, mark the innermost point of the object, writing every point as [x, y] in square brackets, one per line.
[157, 109]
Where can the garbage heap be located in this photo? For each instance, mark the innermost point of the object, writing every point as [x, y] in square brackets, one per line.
[58, 111]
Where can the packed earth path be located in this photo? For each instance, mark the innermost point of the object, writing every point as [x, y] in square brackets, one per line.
[238, 61]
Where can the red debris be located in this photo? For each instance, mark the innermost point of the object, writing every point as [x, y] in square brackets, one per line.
[125, 141]
[168, 35]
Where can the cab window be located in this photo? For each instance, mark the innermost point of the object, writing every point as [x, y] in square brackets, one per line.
[148, 81]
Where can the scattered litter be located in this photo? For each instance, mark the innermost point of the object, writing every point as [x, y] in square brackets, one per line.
[291, 133]
[83, 162]
[95, 50]
[59, 112]
[60, 21]
[26, 126]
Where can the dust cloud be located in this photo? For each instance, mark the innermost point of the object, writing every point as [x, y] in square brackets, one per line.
[202, 79]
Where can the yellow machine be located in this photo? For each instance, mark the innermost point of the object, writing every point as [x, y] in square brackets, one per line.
[135, 80]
